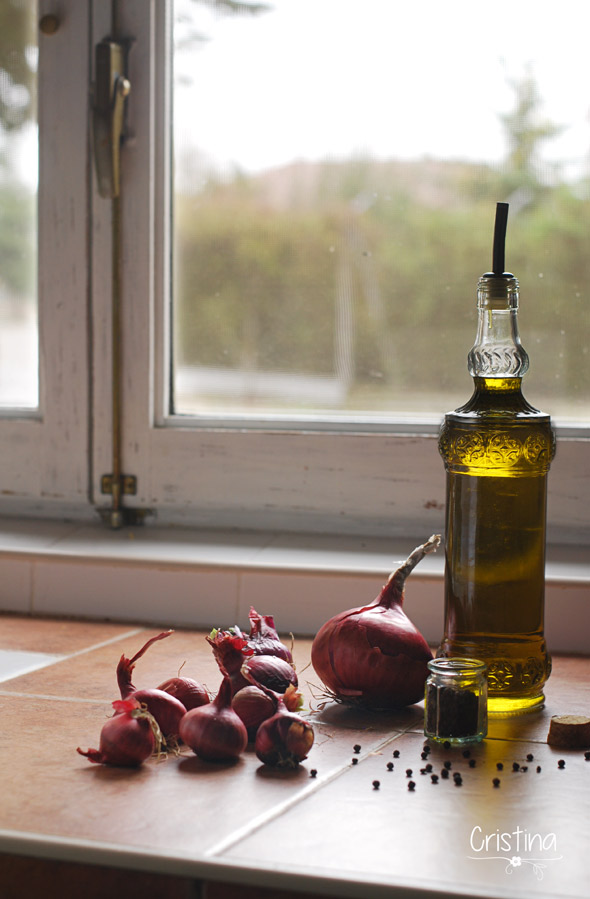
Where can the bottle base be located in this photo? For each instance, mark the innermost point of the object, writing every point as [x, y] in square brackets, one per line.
[506, 706]
[454, 741]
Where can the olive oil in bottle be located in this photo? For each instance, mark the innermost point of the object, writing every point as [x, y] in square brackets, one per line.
[497, 450]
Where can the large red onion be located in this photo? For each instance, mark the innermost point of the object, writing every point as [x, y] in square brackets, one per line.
[264, 639]
[373, 655]
[166, 709]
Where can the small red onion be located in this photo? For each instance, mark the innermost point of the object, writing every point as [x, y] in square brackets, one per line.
[284, 740]
[253, 707]
[230, 649]
[373, 655]
[190, 692]
[214, 731]
[271, 672]
[128, 738]
[166, 709]
[264, 639]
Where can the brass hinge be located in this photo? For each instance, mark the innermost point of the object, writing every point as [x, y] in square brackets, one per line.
[118, 515]
[127, 484]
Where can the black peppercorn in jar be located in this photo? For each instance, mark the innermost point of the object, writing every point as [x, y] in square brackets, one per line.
[455, 701]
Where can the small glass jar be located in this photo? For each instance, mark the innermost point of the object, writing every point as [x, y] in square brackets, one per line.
[456, 701]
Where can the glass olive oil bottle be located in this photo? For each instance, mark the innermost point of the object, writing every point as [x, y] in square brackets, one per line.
[497, 450]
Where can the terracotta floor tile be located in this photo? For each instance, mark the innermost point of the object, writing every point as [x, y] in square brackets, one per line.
[181, 803]
[352, 831]
[177, 804]
[92, 675]
[55, 635]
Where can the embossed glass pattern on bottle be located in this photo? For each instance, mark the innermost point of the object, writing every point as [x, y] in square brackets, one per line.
[497, 449]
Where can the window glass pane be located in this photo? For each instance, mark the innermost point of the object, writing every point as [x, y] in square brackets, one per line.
[18, 199]
[336, 170]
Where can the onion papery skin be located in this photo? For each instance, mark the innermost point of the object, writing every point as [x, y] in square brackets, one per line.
[271, 672]
[230, 649]
[190, 692]
[284, 740]
[373, 655]
[264, 639]
[214, 731]
[127, 739]
[253, 707]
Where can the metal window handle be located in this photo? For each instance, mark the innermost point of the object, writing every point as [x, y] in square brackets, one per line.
[110, 92]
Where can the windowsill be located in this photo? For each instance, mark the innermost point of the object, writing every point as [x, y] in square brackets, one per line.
[196, 578]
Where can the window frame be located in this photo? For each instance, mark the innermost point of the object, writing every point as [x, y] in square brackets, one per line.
[370, 479]
[379, 479]
[44, 465]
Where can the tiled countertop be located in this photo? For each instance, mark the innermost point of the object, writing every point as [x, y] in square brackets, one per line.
[200, 829]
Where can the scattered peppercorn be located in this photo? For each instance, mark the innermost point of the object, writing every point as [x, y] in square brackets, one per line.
[423, 756]
[466, 753]
[530, 757]
[434, 778]
[444, 773]
[538, 769]
[499, 766]
[447, 765]
[587, 756]
[524, 767]
[496, 781]
[472, 763]
[458, 783]
[429, 767]
[446, 745]
[355, 761]
[313, 772]
[515, 766]
[356, 748]
[411, 785]
[390, 766]
[561, 763]
[427, 747]
[396, 753]
[409, 772]
[376, 784]
[457, 776]
[423, 771]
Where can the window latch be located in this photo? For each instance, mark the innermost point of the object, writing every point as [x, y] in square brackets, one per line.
[111, 90]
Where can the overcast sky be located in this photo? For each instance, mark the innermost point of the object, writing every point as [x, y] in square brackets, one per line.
[318, 78]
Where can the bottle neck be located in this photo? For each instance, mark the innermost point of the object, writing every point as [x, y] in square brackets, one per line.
[497, 351]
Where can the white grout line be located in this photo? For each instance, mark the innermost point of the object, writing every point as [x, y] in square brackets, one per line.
[109, 642]
[76, 699]
[277, 810]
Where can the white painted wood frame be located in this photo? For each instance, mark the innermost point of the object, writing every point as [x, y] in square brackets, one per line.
[361, 478]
